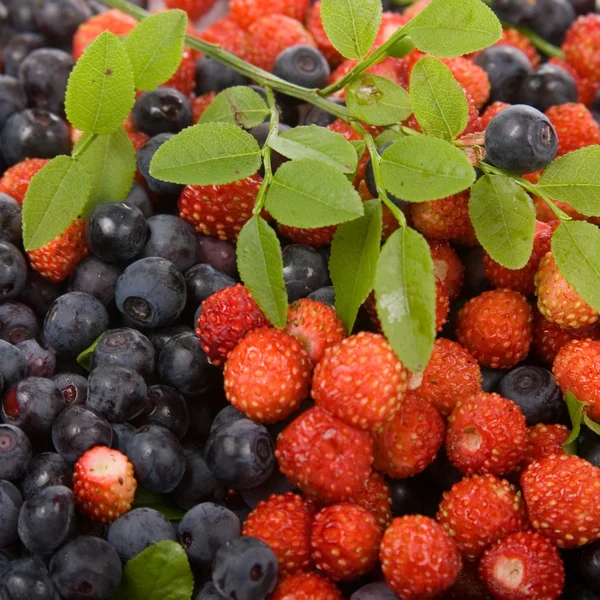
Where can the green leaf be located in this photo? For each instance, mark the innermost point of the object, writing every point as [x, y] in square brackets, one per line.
[110, 162]
[595, 427]
[576, 250]
[351, 25]
[160, 572]
[388, 136]
[575, 178]
[237, 105]
[101, 91]
[450, 28]
[208, 154]
[354, 254]
[575, 408]
[163, 504]
[405, 297]
[420, 168]
[377, 100]
[503, 216]
[261, 268]
[155, 47]
[85, 357]
[55, 197]
[438, 100]
[309, 193]
[319, 143]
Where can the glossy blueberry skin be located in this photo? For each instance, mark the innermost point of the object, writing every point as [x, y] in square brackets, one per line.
[10, 505]
[224, 416]
[137, 530]
[15, 452]
[21, 16]
[302, 65]
[202, 281]
[218, 253]
[39, 293]
[551, 19]
[144, 158]
[506, 67]
[197, 485]
[157, 458]
[163, 110]
[276, 484]
[326, 295]
[167, 408]
[78, 429]
[513, 11]
[122, 433]
[27, 579]
[72, 386]
[13, 271]
[12, 97]
[17, 48]
[59, 19]
[213, 76]
[10, 218]
[374, 591]
[589, 566]
[547, 86]
[13, 364]
[95, 277]
[86, 563]
[17, 322]
[583, 7]
[151, 292]
[160, 337]
[304, 271]
[139, 198]
[208, 592]
[41, 362]
[173, 239]
[45, 470]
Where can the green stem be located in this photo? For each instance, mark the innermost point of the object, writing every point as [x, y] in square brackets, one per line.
[266, 153]
[81, 148]
[539, 42]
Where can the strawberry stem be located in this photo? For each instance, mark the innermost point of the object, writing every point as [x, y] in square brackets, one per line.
[266, 153]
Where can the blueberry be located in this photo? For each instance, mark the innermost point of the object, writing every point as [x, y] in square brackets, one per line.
[578, 591]
[203, 281]
[240, 454]
[116, 231]
[15, 452]
[213, 76]
[72, 386]
[45, 470]
[10, 218]
[583, 7]
[226, 415]
[60, 19]
[167, 408]
[139, 198]
[10, 505]
[87, 567]
[12, 97]
[407, 496]
[589, 566]
[318, 116]
[513, 11]
[589, 446]
[157, 458]
[374, 591]
[21, 15]
[204, 529]
[137, 530]
[260, 134]
[491, 378]
[520, 139]
[17, 322]
[173, 239]
[547, 86]
[276, 484]
[13, 364]
[304, 271]
[245, 569]
[39, 293]
[95, 277]
[442, 472]
[218, 253]
[13, 271]
[160, 337]
[78, 429]
[163, 110]
[34, 132]
[151, 292]
[208, 592]
[27, 579]
[302, 65]
[17, 48]
[197, 485]
[144, 157]
[551, 19]
[41, 362]
[326, 295]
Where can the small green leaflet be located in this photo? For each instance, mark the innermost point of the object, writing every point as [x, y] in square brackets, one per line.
[261, 268]
[438, 100]
[503, 216]
[405, 297]
[595, 427]
[319, 143]
[160, 572]
[101, 91]
[450, 28]
[55, 197]
[354, 254]
[309, 193]
[576, 250]
[85, 357]
[162, 503]
[377, 100]
[575, 408]
[351, 25]
[208, 154]
[155, 47]
[420, 168]
[575, 178]
[388, 136]
[237, 105]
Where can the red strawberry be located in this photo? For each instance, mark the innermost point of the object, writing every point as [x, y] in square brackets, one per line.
[56, 259]
[323, 456]
[184, 79]
[316, 325]
[283, 522]
[225, 318]
[219, 210]
[112, 20]
[544, 440]
[479, 510]
[360, 380]
[376, 497]
[314, 24]
[442, 305]
[200, 104]
[522, 566]
[445, 219]
[473, 79]
[419, 559]
[194, 8]
[575, 126]
[138, 140]
[582, 46]
[495, 327]
[228, 34]
[562, 493]
[246, 12]
[409, 442]
[514, 38]
[103, 484]
[345, 541]
[305, 586]
[558, 301]
[451, 375]
[16, 179]
[267, 375]
[447, 267]
[321, 236]
[390, 23]
[491, 111]
[486, 434]
[586, 88]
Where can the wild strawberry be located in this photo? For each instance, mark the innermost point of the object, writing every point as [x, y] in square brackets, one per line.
[321, 236]
[225, 318]
[305, 586]
[138, 140]
[479, 510]
[56, 259]
[360, 380]
[586, 87]
[544, 440]
[447, 267]
[521, 280]
[323, 456]
[184, 79]
[103, 484]
[194, 8]
[495, 327]
[283, 522]
[376, 497]
[514, 38]
[575, 126]
[522, 566]
[409, 442]
[473, 79]
[112, 20]
[418, 558]
[271, 34]
[390, 23]
[442, 305]
[445, 219]
[316, 325]
[228, 34]
[314, 24]
[219, 210]
[451, 375]
[16, 179]
[582, 46]
[491, 111]
[246, 12]
[345, 541]
[562, 493]
[558, 301]
[486, 434]
[201, 103]
[267, 375]
[468, 586]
